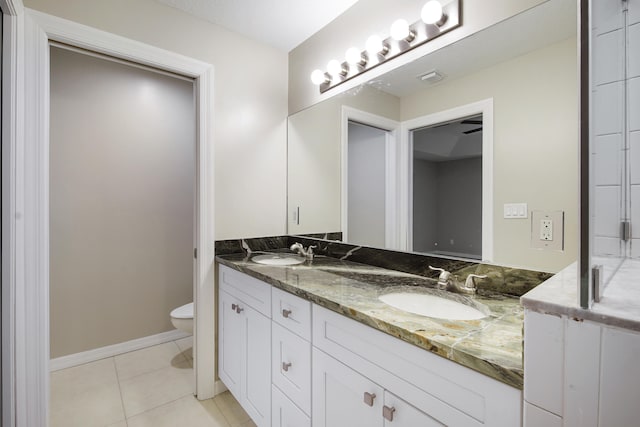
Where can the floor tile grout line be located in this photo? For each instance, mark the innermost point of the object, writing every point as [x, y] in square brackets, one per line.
[153, 370]
[124, 412]
[159, 406]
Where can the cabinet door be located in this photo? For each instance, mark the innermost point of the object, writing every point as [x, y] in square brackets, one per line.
[339, 398]
[398, 413]
[256, 385]
[230, 343]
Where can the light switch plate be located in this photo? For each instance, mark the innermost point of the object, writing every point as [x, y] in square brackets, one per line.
[515, 210]
[547, 230]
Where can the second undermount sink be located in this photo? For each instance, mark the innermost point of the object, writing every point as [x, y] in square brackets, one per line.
[432, 306]
[278, 259]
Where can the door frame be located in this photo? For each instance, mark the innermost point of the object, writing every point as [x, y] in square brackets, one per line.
[27, 208]
[391, 127]
[484, 107]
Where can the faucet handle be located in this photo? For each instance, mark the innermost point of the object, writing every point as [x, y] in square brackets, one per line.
[470, 282]
[441, 270]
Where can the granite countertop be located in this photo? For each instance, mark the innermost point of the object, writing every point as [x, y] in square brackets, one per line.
[491, 346]
[619, 305]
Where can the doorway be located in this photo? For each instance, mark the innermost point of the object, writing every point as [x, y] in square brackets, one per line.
[369, 179]
[366, 185]
[28, 243]
[456, 142]
[447, 188]
[122, 198]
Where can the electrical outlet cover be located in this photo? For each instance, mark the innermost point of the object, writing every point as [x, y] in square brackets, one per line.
[547, 235]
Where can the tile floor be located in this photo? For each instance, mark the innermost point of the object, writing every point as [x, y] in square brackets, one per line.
[151, 387]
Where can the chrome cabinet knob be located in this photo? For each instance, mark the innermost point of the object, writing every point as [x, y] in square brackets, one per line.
[368, 398]
[286, 313]
[387, 412]
[286, 366]
[237, 308]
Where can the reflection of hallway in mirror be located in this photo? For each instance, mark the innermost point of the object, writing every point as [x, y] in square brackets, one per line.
[447, 188]
[366, 185]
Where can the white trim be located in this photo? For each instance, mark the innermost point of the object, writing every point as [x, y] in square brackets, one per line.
[484, 107]
[12, 143]
[391, 128]
[76, 359]
[30, 179]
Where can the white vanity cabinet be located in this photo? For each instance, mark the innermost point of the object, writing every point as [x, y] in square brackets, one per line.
[244, 351]
[351, 359]
[291, 363]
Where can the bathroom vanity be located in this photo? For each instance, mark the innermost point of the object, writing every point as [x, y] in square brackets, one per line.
[313, 344]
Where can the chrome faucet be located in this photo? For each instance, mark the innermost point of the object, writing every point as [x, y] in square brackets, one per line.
[448, 282]
[300, 250]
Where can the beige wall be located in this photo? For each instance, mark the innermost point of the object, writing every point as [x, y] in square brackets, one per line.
[250, 104]
[367, 17]
[535, 143]
[122, 168]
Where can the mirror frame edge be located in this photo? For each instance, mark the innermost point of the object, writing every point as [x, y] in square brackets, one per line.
[585, 294]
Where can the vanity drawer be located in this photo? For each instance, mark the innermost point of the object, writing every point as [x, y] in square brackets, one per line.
[291, 366]
[251, 291]
[284, 413]
[292, 312]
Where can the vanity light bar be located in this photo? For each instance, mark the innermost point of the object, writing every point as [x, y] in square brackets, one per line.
[436, 20]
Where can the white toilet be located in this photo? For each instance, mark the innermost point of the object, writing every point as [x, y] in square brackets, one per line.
[182, 318]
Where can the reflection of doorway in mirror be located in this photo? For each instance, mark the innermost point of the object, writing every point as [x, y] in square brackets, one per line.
[366, 181]
[447, 188]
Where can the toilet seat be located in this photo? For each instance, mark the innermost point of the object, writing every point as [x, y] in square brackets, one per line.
[183, 312]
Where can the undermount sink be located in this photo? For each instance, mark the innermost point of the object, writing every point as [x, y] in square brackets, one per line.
[278, 259]
[431, 305]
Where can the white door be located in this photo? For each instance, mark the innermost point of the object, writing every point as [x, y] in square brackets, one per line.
[342, 397]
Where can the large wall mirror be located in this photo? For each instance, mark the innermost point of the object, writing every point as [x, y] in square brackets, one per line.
[453, 153]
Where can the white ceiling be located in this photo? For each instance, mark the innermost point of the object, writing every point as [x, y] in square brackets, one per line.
[283, 24]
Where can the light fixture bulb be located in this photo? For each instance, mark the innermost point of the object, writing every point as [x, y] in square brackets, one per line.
[318, 77]
[334, 67]
[376, 46]
[400, 30]
[354, 56]
[432, 13]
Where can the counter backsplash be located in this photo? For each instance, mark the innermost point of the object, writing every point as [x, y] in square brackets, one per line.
[505, 280]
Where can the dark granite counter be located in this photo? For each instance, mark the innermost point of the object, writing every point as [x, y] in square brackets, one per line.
[491, 346]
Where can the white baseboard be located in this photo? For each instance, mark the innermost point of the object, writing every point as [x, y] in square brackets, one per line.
[114, 350]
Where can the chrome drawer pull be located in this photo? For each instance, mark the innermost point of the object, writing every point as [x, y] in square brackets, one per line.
[234, 306]
[368, 398]
[286, 366]
[387, 412]
[238, 308]
[286, 313]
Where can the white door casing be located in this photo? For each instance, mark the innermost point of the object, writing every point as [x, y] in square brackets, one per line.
[25, 203]
[405, 214]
